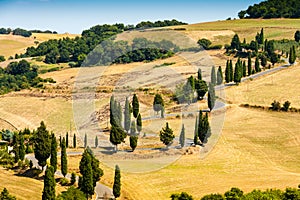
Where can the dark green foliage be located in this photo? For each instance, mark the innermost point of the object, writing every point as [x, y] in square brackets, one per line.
[244, 69]
[238, 72]
[21, 146]
[275, 106]
[74, 141]
[158, 103]
[270, 47]
[166, 135]
[227, 72]
[257, 66]
[273, 9]
[67, 140]
[6, 196]
[42, 144]
[117, 182]
[52, 57]
[184, 93]
[139, 123]
[135, 106]
[28, 149]
[201, 88]
[219, 76]
[49, 184]
[274, 58]
[127, 115]
[292, 55]
[85, 141]
[22, 32]
[260, 38]
[286, 106]
[148, 24]
[97, 172]
[115, 112]
[196, 140]
[234, 194]
[205, 43]
[133, 141]
[235, 42]
[182, 196]
[199, 74]
[86, 170]
[16, 151]
[2, 58]
[5, 31]
[96, 142]
[211, 99]
[63, 158]
[53, 155]
[249, 65]
[203, 127]
[182, 136]
[191, 82]
[73, 178]
[213, 197]
[117, 135]
[71, 194]
[231, 71]
[263, 61]
[297, 36]
[213, 78]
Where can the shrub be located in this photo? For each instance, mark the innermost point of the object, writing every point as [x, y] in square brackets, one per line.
[275, 106]
[286, 106]
[73, 178]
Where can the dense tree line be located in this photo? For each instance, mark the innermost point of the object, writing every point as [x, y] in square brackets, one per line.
[148, 24]
[20, 75]
[17, 31]
[272, 9]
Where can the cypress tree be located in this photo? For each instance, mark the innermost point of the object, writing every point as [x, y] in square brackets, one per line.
[119, 113]
[133, 142]
[63, 158]
[135, 106]
[139, 123]
[85, 141]
[158, 103]
[127, 115]
[21, 146]
[166, 135]
[117, 182]
[227, 72]
[117, 135]
[199, 73]
[203, 128]
[292, 56]
[74, 141]
[211, 97]
[261, 36]
[85, 167]
[196, 132]
[213, 76]
[42, 144]
[133, 129]
[263, 61]
[200, 125]
[16, 147]
[237, 73]
[182, 136]
[60, 141]
[249, 65]
[219, 76]
[96, 142]
[231, 70]
[67, 140]
[53, 157]
[49, 184]
[97, 172]
[257, 68]
[244, 69]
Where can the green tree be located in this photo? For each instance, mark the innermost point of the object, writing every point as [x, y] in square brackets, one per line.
[117, 182]
[16, 151]
[166, 135]
[213, 79]
[67, 140]
[139, 123]
[203, 127]
[219, 76]
[263, 61]
[73, 178]
[72, 193]
[49, 184]
[97, 171]
[238, 72]
[85, 141]
[158, 103]
[201, 88]
[6, 196]
[244, 69]
[74, 140]
[63, 159]
[96, 142]
[135, 106]
[235, 42]
[205, 43]
[42, 144]
[182, 196]
[249, 65]
[127, 115]
[297, 36]
[199, 74]
[286, 106]
[53, 155]
[117, 135]
[21, 146]
[231, 71]
[133, 141]
[234, 194]
[274, 58]
[257, 66]
[86, 170]
[292, 55]
[211, 99]
[182, 136]
[227, 72]
[196, 140]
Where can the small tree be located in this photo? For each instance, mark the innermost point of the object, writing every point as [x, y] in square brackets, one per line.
[199, 74]
[257, 67]
[249, 65]
[182, 136]
[49, 184]
[85, 167]
[21, 146]
[196, 141]
[67, 140]
[158, 103]
[211, 100]
[244, 69]
[135, 106]
[139, 123]
[286, 106]
[297, 36]
[275, 106]
[53, 157]
[96, 142]
[213, 76]
[73, 178]
[205, 43]
[292, 55]
[182, 196]
[63, 157]
[117, 135]
[219, 76]
[166, 135]
[85, 141]
[127, 115]
[74, 140]
[117, 182]
[133, 142]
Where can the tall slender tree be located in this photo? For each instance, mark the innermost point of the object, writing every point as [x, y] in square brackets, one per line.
[231, 70]
[86, 170]
[257, 66]
[213, 76]
[63, 158]
[67, 140]
[292, 55]
[196, 141]
[21, 146]
[182, 136]
[85, 141]
[139, 123]
[49, 184]
[135, 106]
[219, 76]
[133, 141]
[249, 65]
[53, 157]
[117, 182]
[237, 73]
[227, 72]
[127, 115]
[74, 141]
[199, 74]
[117, 135]
[211, 99]
[244, 69]
[96, 141]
